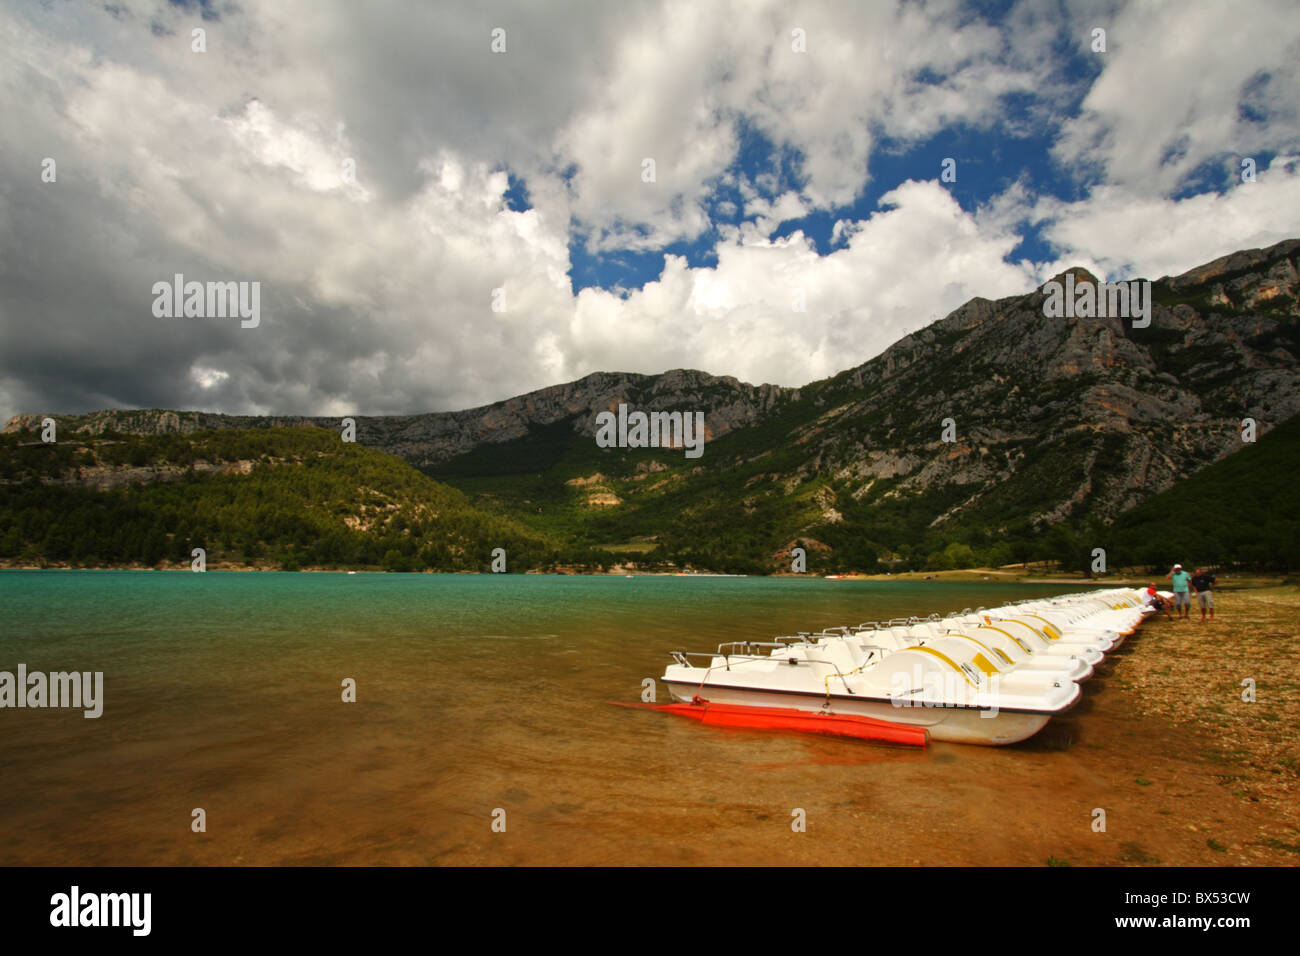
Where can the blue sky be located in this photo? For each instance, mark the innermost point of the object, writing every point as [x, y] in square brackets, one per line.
[988, 161]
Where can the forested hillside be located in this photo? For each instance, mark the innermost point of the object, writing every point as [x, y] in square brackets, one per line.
[1244, 509]
[286, 498]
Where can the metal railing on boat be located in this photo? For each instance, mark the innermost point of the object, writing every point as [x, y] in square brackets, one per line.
[682, 657]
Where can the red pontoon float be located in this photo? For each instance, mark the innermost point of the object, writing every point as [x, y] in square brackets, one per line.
[801, 721]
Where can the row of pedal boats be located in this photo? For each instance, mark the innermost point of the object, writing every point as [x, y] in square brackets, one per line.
[989, 676]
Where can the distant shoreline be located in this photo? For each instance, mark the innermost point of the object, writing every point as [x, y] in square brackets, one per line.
[971, 576]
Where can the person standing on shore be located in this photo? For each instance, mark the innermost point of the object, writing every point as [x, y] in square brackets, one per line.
[1181, 582]
[1203, 582]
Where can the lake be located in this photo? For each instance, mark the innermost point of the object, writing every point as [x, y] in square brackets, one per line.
[482, 697]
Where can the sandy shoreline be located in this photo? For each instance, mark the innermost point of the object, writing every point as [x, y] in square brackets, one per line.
[1196, 678]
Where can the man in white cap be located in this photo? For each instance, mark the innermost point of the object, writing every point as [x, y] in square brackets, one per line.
[1181, 583]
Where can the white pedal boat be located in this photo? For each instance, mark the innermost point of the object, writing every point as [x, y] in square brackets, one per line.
[991, 676]
[1001, 645]
[947, 686]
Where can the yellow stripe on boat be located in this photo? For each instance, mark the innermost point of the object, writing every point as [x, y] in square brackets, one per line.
[1048, 629]
[1022, 644]
[981, 644]
[946, 659]
[982, 662]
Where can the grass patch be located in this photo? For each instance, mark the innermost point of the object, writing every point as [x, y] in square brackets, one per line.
[1132, 853]
[1277, 844]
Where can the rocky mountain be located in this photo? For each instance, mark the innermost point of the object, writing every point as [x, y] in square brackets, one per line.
[994, 424]
[437, 436]
[1100, 413]
[1052, 421]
